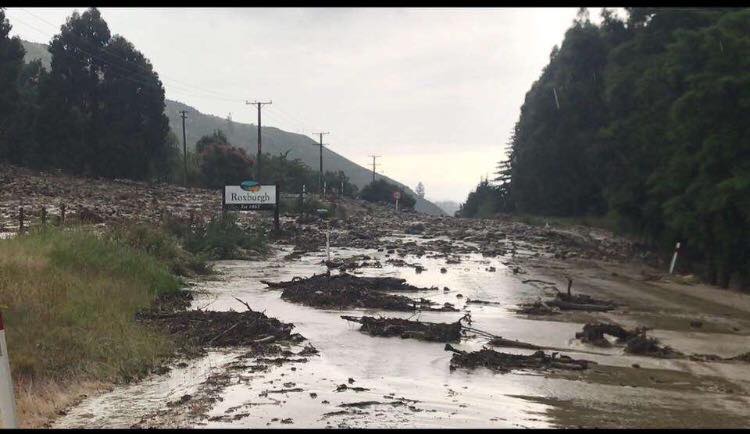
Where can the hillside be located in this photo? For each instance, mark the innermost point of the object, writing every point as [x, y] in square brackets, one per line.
[450, 207]
[245, 135]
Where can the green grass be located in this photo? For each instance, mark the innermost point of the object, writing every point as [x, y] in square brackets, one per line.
[223, 238]
[163, 245]
[70, 299]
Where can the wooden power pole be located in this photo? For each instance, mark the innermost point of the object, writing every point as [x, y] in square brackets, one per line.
[183, 115]
[373, 166]
[320, 177]
[259, 105]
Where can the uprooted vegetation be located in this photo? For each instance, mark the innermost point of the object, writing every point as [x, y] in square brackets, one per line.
[341, 291]
[406, 329]
[635, 341]
[507, 362]
[221, 328]
[580, 302]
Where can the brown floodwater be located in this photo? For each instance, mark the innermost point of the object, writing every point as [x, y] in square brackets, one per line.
[408, 382]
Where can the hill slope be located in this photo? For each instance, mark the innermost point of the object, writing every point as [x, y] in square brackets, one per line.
[243, 135]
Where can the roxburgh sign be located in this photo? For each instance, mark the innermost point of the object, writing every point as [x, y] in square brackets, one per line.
[249, 196]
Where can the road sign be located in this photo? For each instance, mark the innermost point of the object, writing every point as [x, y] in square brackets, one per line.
[397, 195]
[249, 196]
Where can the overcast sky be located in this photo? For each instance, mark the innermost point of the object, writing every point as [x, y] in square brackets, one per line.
[434, 91]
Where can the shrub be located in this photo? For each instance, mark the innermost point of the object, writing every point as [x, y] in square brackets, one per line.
[224, 238]
[382, 191]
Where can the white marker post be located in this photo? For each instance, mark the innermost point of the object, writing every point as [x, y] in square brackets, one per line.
[674, 257]
[328, 244]
[7, 399]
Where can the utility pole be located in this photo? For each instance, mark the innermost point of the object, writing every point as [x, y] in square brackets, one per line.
[183, 115]
[259, 105]
[321, 160]
[373, 166]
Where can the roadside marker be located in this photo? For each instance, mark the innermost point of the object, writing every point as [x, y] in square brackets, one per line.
[674, 257]
[7, 400]
[328, 244]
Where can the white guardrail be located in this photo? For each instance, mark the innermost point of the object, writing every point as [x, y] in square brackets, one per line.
[7, 400]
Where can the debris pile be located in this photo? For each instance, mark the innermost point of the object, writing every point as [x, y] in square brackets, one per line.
[635, 341]
[222, 328]
[426, 331]
[593, 333]
[347, 291]
[648, 346]
[538, 307]
[506, 362]
[580, 302]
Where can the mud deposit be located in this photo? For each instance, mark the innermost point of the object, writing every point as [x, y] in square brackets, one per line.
[348, 375]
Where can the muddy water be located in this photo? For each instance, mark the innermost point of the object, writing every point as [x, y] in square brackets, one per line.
[408, 382]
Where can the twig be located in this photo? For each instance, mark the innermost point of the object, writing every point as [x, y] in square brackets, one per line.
[222, 333]
[246, 305]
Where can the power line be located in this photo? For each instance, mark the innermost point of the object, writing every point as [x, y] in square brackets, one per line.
[218, 95]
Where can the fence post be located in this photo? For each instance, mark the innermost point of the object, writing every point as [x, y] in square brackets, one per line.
[44, 215]
[276, 210]
[62, 214]
[7, 399]
[20, 220]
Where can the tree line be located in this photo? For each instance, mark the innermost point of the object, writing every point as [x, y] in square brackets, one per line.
[641, 119]
[99, 111]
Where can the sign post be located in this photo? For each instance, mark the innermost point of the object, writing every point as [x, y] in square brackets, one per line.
[251, 196]
[396, 197]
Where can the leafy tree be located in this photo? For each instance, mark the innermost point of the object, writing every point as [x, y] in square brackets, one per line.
[222, 165]
[335, 180]
[382, 191]
[217, 138]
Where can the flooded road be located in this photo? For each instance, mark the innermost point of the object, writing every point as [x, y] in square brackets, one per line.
[408, 383]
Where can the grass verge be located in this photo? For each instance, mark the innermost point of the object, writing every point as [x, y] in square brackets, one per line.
[70, 298]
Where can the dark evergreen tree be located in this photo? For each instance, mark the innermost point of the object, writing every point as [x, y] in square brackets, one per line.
[11, 65]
